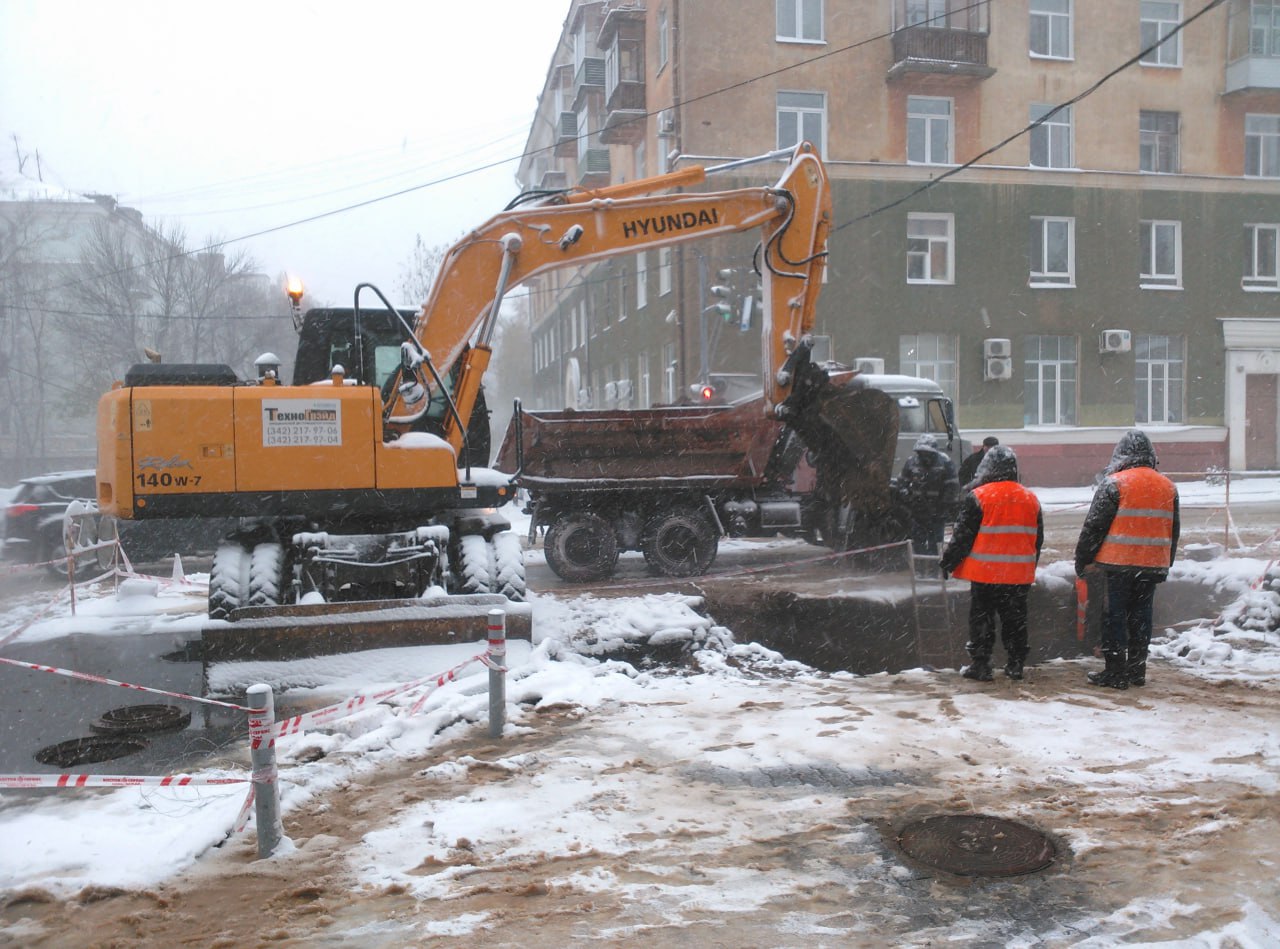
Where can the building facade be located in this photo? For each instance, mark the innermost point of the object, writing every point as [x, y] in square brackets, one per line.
[1067, 212]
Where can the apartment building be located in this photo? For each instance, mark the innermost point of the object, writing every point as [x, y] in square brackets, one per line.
[1067, 212]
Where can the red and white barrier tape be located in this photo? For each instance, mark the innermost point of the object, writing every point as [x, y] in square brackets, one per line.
[111, 781]
[103, 680]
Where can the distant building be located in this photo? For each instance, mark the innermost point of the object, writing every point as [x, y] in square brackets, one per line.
[1119, 264]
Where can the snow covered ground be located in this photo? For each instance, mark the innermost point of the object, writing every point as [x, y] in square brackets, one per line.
[736, 798]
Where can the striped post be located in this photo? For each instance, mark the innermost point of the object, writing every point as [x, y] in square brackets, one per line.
[262, 752]
[497, 657]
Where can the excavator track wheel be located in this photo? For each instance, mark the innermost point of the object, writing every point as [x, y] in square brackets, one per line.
[508, 566]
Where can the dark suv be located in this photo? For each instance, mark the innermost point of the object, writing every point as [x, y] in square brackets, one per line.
[33, 522]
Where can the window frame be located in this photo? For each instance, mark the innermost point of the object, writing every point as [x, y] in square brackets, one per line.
[642, 279]
[1148, 277]
[930, 121]
[1252, 281]
[947, 241]
[798, 24]
[1161, 27]
[1049, 132]
[1269, 32]
[1267, 147]
[798, 110]
[1156, 141]
[944, 366]
[665, 264]
[1037, 381]
[1051, 19]
[664, 42]
[1045, 278]
[1172, 383]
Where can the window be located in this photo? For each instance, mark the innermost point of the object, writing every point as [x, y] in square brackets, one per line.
[929, 12]
[668, 372]
[929, 240]
[642, 280]
[1264, 28]
[1262, 146]
[1159, 18]
[1161, 254]
[1053, 252]
[1158, 378]
[1049, 387]
[929, 130]
[1051, 28]
[800, 20]
[929, 356]
[1158, 142]
[664, 271]
[1261, 257]
[1051, 137]
[664, 43]
[645, 396]
[802, 116]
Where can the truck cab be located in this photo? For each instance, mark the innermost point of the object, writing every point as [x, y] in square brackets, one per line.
[922, 408]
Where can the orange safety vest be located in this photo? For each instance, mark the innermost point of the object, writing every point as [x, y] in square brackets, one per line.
[1005, 549]
[1141, 535]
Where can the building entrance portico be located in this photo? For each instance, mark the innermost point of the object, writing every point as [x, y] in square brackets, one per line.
[1252, 393]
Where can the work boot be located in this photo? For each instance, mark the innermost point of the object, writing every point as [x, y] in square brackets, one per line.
[1013, 669]
[1136, 669]
[979, 670]
[1114, 675]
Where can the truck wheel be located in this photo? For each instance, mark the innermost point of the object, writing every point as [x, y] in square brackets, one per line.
[681, 543]
[266, 574]
[473, 565]
[890, 526]
[228, 579]
[581, 548]
[508, 566]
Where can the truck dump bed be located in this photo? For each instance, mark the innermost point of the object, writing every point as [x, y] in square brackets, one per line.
[674, 446]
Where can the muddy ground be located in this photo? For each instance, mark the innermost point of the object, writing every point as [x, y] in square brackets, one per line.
[822, 837]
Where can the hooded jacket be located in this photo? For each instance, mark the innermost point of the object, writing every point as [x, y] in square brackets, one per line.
[1000, 529]
[929, 479]
[1134, 521]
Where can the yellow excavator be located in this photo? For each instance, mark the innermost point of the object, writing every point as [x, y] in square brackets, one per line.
[365, 478]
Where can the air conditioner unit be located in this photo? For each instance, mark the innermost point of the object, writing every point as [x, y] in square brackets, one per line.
[869, 364]
[1114, 341]
[666, 121]
[1001, 348]
[998, 368]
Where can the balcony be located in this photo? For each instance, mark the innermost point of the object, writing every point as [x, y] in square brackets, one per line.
[944, 52]
[593, 168]
[625, 114]
[567, 135]
[590, 73]
[553, 179]
[1253, 72]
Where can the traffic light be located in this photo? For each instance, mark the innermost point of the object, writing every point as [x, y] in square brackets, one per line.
[703, 391]
[724, 294]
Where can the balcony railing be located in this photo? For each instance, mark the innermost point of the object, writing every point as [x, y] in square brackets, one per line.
[951, 52]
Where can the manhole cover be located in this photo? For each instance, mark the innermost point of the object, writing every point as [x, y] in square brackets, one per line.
[977, 845]
[134, 719]
[67, 754]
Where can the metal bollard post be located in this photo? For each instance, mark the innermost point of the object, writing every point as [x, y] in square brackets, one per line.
[262, 753]
[497, 671]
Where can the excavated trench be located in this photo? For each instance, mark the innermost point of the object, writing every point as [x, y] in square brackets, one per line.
[887, 623]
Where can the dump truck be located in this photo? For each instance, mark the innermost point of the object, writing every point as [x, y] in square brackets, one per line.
[361, 485]
[671, 481]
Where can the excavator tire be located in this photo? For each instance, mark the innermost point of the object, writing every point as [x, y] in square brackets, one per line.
[266, 574]
[581, 548]
[508, 566]
[679, 543]
[473, 565]
[228, 579]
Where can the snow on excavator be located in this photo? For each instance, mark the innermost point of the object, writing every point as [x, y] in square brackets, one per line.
[364, 479]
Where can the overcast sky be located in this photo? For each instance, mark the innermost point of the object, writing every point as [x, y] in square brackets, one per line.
[238, 117]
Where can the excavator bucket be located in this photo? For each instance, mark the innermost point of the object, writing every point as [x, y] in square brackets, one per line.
[305, 630]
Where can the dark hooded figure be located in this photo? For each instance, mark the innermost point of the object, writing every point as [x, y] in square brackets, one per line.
[930, 487]
[969, 467]
[995, 545]
[1131, 535]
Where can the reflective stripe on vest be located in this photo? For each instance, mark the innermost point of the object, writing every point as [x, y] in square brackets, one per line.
[1004, 551]
[1141, 535]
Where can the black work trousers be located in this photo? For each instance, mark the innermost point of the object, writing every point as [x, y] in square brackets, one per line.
[1009, 602]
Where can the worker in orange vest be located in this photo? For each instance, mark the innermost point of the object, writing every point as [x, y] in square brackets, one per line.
[995, 545]
[1131, 535]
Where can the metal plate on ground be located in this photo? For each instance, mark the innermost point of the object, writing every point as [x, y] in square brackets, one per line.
[67, 754]
[977, 845]
[138, 719]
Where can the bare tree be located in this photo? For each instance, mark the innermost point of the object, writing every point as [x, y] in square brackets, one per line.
[419, 273]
